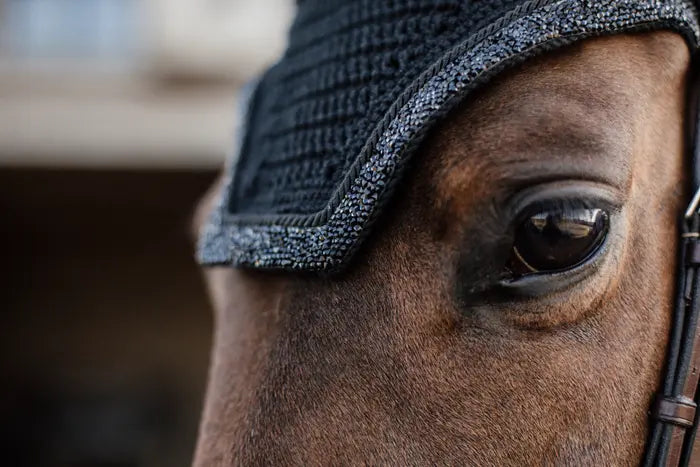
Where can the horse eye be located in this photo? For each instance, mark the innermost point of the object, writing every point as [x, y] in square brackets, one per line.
[557, 240]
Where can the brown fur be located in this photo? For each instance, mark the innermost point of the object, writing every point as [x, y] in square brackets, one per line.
[386, 364]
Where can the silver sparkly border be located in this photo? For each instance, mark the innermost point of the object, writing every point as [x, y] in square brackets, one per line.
[329, 246]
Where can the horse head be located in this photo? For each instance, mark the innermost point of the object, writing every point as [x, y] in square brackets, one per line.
[512, 303]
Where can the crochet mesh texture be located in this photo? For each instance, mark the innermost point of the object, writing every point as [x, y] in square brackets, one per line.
[347, 61]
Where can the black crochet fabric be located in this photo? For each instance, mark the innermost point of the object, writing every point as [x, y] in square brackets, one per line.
[347, 61]
[333, 125]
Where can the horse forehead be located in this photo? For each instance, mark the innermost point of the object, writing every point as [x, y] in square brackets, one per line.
[580, 109]
[595, 82]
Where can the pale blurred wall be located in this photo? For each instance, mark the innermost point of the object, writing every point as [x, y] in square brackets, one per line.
[128, 83]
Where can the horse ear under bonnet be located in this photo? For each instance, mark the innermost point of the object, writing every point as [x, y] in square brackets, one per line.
[329, 129]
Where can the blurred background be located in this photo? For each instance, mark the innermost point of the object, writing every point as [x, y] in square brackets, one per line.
[115, 116]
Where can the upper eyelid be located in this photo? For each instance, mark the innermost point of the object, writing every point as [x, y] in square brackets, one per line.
[589, 195]
[505, 214]
[564, 204]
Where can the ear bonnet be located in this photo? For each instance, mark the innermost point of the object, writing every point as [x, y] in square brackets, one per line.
[330, 128]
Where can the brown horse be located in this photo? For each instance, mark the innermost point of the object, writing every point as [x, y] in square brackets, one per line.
[400, 361]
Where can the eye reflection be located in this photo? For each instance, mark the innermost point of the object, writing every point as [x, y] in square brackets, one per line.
[557, 240]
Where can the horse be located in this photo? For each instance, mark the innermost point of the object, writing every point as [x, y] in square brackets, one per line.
[407, 358]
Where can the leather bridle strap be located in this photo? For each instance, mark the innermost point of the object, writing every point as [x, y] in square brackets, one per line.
[674, 415]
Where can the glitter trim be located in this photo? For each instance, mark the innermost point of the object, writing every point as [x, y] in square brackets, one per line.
[326, 241]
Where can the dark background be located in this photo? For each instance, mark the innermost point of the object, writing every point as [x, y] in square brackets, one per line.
[105, 324]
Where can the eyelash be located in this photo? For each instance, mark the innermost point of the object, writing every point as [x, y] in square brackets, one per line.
[556, 204]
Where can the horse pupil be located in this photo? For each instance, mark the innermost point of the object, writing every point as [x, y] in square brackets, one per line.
[559, 239]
